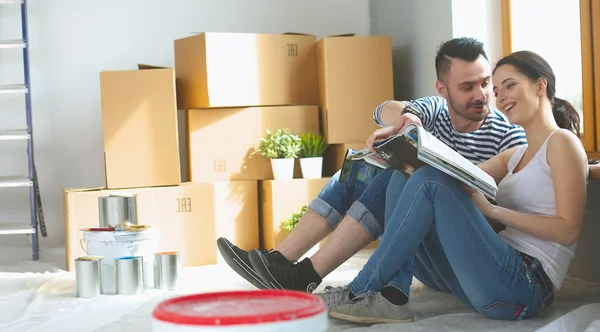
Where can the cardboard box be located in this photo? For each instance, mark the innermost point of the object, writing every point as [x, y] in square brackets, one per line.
[222, 143]
[333, 158]
[139, 124]
[190, 217]
[244, 69]
[279, 199]
[355, 76]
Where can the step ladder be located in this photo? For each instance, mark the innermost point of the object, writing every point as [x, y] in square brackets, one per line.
[9, 182]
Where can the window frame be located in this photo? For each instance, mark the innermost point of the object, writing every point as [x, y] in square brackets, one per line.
[590, 58]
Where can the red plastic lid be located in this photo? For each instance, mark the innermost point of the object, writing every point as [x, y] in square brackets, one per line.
[239, 307]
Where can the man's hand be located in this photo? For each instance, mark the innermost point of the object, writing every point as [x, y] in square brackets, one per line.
[386, 132]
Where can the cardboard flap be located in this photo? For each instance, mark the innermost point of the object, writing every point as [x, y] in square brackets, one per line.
[78, 190]
[342, 35]
[142, 66]
[297, 34]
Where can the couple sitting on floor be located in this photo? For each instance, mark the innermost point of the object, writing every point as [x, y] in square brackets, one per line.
[505, 261]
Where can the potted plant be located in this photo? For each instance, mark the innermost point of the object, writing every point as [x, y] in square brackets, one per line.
[311, 162]
[282, 147]
[290, 222]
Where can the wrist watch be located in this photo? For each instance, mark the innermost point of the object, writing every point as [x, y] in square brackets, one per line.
[409, 109]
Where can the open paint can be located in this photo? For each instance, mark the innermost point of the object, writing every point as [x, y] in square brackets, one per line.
[166, 270]
[88, 276]
[244, 311]
[129, 275]
[116, 210]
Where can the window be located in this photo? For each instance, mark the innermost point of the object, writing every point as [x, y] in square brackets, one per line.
[561, 31]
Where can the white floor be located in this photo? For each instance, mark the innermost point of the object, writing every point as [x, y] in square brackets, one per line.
[39, 296]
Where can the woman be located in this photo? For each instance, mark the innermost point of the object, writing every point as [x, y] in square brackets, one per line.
[515, 273]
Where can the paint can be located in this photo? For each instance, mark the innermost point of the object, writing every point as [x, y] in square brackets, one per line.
[111, 245]
[242, 311]
[129, 275]
[116, 210]
[88, 276]
[166, 270]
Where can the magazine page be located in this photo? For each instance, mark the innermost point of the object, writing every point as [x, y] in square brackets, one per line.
[432, 145]
[400, 152]
[367, 155]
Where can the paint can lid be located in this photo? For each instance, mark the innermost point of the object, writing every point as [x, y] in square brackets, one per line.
[239, 308]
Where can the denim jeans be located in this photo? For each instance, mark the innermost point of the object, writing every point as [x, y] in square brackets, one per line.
[366, 203]
[431, 213]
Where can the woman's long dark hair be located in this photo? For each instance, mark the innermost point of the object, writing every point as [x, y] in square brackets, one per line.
[535, 67]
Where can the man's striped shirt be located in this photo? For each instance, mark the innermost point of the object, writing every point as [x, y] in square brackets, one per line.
[495, 135]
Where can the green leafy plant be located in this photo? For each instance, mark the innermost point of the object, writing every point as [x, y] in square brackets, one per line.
[280, 144]
[313, 145]
[290, 222]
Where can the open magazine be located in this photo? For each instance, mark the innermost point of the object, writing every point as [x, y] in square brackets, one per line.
[415, 147]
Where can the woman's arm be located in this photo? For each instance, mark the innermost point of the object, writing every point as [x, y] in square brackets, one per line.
[497, 166]
[568, 164]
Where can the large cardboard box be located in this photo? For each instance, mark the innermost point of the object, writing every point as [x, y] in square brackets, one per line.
[279, 199]
[333, 158]
[139, 124]
[189, 217]
[355, 76]
[222, 143]
[245, 69]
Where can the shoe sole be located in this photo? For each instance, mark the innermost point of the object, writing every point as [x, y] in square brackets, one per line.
[236, 263]
[369, 320]
[261, 267]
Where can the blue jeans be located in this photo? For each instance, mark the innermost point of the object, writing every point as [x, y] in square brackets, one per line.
[366, 203]
[431, 211]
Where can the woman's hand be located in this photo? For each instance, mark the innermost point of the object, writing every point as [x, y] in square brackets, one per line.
[480, 201]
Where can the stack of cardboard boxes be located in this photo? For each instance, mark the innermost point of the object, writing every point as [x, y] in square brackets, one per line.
[232, 87]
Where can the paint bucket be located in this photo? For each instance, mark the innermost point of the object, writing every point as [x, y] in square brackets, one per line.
[88, 276]
[111, 245]
[116, 210]
[243, 311]
[129, 275]
[166, 270]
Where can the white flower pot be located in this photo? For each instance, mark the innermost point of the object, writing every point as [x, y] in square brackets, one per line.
[312, 168]
[283, 169]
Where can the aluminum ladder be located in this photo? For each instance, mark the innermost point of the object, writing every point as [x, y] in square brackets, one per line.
[31, 181]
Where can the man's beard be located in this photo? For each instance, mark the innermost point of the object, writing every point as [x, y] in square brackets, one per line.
[464, 111]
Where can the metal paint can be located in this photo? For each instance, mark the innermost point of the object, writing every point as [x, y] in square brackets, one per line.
[88, 276]
[166, 270]
[129, 275]
[117, 210]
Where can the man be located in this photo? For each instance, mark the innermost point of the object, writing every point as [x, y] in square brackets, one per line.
[461, 118]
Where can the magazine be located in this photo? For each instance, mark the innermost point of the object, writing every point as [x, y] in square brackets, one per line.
[415, 147]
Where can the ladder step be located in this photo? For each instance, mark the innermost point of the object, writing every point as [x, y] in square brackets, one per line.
[19, 43]
[8, 229]
[13, 88]
[15, 181]
[2, 2]
[14, 134]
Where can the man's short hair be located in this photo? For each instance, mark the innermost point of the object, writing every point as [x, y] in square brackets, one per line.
[464, 48]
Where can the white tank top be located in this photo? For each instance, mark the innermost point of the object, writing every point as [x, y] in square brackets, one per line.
[531, 190]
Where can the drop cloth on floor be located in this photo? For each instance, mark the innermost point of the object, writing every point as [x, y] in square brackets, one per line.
[46, 302]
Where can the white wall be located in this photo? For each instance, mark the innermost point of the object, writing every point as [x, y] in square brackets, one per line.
[481, 19]
[73, 40]
[418, 30]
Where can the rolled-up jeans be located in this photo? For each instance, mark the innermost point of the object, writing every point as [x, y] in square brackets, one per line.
[366, 203]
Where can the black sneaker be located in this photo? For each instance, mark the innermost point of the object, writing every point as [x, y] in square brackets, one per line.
[238, 260]
[283, 274]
